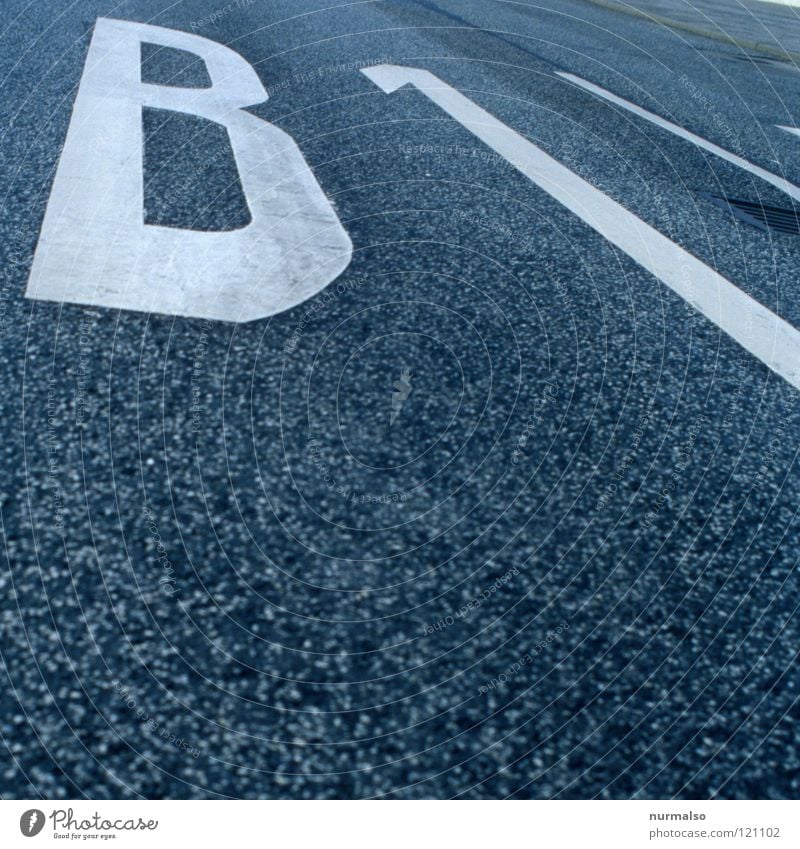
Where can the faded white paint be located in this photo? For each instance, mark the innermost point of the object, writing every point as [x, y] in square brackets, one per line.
[779, 182]
[94, 247]
[767, 336]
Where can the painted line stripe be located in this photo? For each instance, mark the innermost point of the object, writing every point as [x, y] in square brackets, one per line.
[764, 334]
[784, 185]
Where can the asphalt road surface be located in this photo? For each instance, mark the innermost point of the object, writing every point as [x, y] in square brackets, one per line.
[496, 513]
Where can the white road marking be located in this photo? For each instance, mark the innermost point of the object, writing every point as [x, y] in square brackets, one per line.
[764, 334]
[94, 247]
[784, 185]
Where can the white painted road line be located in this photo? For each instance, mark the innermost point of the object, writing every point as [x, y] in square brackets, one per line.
[784, 185]
[94, 247]
[764, 334]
